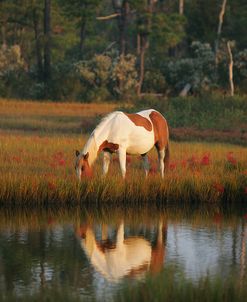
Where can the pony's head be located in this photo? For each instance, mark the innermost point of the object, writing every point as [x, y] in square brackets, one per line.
[82, 166]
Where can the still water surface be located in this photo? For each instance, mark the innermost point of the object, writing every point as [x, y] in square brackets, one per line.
[95, 254]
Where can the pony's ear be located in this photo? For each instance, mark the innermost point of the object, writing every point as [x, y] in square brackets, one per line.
[77, 153]
[86, 156]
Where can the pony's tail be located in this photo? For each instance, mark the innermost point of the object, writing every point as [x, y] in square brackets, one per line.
[167, 156]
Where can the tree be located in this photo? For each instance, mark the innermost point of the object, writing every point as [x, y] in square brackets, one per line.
[84, 12]
[122, 10]
[47, 40]
[221, 18]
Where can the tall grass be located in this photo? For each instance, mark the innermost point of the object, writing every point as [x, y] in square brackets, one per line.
[37, 162]
[40, 170]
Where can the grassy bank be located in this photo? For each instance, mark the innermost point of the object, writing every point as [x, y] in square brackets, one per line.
[37, 146]
[40, 170]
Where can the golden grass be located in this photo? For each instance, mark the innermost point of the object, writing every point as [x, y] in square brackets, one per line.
[37, 167]
[23, 108]
[41, 169]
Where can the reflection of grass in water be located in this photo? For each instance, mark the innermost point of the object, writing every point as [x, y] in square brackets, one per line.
[39, 170]
[171, 286]
[168, 286]
[200, 215]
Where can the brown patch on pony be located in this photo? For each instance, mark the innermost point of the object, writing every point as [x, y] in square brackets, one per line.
[139, 120]
[106, 245]
[109, 147]
[159, 253]
[134, 272]
[160, 130]
[85, 168]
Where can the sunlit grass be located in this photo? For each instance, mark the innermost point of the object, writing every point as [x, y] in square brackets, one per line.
[38, 170]
[37, 147]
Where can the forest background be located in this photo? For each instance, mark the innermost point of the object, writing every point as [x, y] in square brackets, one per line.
[92, 50]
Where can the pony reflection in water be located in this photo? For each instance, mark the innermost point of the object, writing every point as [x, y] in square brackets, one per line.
[132, 256]
[125, 134]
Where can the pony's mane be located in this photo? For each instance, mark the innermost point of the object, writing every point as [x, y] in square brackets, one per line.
[91, 144]
[105, 120]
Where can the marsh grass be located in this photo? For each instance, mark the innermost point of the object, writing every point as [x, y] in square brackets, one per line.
[37, 167]
[40, 170]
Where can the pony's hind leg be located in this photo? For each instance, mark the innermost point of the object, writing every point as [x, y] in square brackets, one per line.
[122, 161]
[146, 165]
[161, 156]
[106, 162]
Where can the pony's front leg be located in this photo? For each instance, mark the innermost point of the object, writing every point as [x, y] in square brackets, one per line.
[122, 161]
[106, 162]
[146, 165]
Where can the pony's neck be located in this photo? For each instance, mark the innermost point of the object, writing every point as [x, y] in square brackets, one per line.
[96, 139]
[92, 148]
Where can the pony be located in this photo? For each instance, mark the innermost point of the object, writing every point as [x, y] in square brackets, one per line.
[126, 256]
[124, 133]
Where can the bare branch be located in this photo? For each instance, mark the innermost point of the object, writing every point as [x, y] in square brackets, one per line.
[108, 17]
[230, 67]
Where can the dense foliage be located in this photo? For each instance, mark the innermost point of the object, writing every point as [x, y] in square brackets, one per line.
[95, 50]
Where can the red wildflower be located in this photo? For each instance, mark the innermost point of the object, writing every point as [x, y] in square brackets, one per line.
[219, 188]
[172, 166]
[245, 190]
[61, 162]
[205, 161]
[183, 163]
[17, 159]
[231, 158]
[245, 216]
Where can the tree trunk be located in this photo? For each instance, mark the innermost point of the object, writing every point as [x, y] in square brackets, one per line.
[230, 67]
[4, 40]
[144, 44]
[181, 7]
[122, 13]
[221, 19]
[47, 41]
[82, 36]
[37, 44]
[142, 67]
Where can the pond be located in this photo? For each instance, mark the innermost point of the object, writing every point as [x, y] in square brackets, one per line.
[94, 253]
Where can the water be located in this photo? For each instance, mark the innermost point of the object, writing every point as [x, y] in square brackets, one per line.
[94, 253]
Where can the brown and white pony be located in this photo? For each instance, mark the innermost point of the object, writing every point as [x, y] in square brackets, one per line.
[125, 133]
[131, 256]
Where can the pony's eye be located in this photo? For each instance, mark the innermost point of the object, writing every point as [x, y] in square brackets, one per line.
[82, 168]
